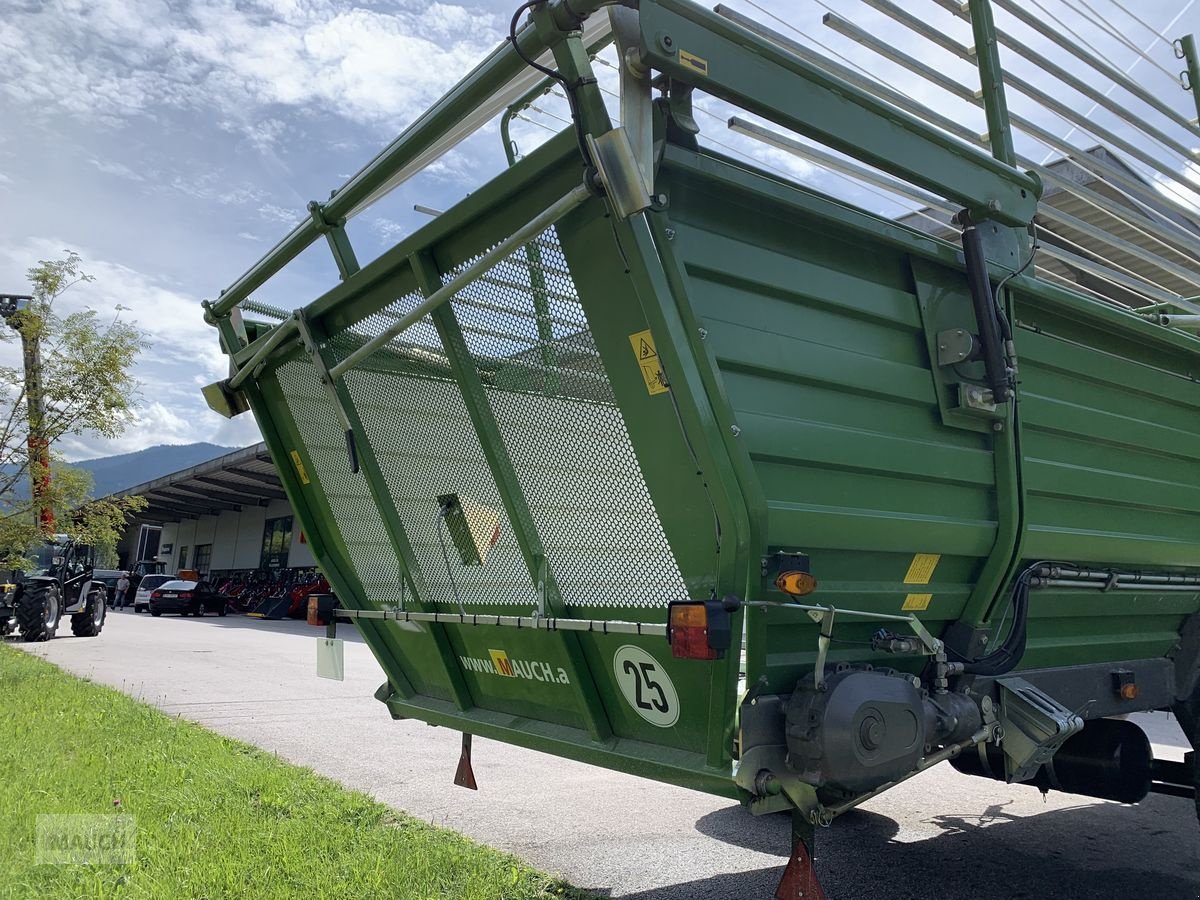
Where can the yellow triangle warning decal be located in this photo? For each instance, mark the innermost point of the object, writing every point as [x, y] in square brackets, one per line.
[647, 356]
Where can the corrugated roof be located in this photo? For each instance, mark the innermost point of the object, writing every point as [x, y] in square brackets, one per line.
[245, 477]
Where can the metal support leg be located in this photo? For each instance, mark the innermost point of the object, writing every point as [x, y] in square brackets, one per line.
[465, 776]
[799, 880]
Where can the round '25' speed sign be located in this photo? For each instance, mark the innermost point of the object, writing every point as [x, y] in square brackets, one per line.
[646, 686]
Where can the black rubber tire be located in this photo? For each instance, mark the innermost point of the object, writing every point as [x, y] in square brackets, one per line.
[222, 611]
[38, 611]
[89, 622]
[1195, 762]
[156, 613]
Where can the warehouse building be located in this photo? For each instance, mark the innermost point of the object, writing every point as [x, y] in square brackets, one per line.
[227, 515]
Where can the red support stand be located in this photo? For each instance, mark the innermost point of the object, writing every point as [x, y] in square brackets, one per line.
[465, 776]
[799, 880]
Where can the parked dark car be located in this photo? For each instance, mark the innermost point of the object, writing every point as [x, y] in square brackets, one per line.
[194, 598]
[109, 578]
[146, 585]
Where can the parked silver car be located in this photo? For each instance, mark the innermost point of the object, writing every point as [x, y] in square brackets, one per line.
[141, 600]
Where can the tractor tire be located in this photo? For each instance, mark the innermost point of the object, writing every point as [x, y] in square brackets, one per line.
[38, 611]
[90, 621]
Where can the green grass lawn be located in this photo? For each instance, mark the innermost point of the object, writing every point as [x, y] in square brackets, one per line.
[214, 817]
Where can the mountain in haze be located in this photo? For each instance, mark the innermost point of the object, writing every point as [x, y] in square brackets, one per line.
[115, 473]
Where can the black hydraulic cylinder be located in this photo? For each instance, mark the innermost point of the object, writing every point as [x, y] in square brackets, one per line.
[1110, 759]
[984, 303]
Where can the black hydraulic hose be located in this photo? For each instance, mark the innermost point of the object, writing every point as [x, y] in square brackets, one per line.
[984, 302]
[1008, 655]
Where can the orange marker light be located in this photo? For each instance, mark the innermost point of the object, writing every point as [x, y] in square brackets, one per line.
[796, 583]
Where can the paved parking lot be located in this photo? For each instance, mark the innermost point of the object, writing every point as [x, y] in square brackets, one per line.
[941, 835]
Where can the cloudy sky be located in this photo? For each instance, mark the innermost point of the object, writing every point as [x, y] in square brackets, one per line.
[172, 142]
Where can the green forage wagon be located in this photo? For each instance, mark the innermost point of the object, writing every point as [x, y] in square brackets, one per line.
[647, 457]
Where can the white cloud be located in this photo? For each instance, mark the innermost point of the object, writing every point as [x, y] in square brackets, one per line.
[114, 168]
[455, 167]
[182, 351]
[1172, 190]
[389, 230]
[284, 216]
[112, 59]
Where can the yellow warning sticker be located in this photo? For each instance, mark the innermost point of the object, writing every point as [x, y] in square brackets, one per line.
[692, 61]
[300, 470]
[920, 571]
[649, 362]
[916, 602]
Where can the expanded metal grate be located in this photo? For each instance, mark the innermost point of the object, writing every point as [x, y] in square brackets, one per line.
[550, 393]
[348, 495]
[416, 422]
[529, 341]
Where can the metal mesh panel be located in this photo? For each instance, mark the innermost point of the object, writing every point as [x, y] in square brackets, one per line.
[530, 342]
[354, 511]
[416, 422]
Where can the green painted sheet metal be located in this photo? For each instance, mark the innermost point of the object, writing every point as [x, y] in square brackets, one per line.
[819, 334]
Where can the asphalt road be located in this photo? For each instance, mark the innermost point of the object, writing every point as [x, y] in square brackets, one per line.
[941, 835]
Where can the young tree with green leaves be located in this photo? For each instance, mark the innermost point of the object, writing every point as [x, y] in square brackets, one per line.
[75, 378]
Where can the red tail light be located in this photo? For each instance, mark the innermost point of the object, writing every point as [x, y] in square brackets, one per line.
[698, 629]
[156, 595]
[186, 595]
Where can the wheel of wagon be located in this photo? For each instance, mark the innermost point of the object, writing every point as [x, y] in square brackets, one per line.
[89, 621]
[38, 612]
[1196, 779]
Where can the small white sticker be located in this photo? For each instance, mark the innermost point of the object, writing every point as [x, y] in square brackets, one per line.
[646, 686]
[331, 660]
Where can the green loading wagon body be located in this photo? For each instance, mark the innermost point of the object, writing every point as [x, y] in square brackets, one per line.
[519, 435]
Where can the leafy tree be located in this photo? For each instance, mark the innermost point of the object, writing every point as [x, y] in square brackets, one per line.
[87, 388]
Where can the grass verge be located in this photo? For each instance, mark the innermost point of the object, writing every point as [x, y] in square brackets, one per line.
[214, 817]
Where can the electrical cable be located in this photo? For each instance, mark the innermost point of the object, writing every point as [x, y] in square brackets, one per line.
[687, 441]
[1008, 655]
[1150, 28]
[1062, 26]
[568, 88]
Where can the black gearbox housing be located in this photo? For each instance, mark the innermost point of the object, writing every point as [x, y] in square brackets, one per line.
[862, 729]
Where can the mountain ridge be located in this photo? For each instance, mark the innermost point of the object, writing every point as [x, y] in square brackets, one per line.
[124, 470]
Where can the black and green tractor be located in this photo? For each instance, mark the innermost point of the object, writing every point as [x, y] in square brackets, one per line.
[58, 583]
